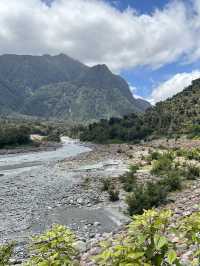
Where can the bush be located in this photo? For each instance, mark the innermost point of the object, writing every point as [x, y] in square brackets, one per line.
[173, 180]
[54, 247]
[13, 135]
[113, 194]
[53, 136]
[193, 172]
[6, 251]
[106, 183]
[133, 168]
[146, 196]
[146, 243]
[129, 179]
[155, 155]
[163, 165]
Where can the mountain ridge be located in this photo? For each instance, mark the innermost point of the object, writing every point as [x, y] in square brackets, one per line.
[27, 81]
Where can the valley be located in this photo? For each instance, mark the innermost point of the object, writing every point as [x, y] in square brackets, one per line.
[65, 187]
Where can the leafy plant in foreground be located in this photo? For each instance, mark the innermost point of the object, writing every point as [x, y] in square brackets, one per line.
[146, 243]
[53, 248]
[189, 229]
[6, 252]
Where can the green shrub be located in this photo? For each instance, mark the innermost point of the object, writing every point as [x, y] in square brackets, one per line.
[173, 180]
[6, 251]
[53, 136]
[146, 243]
[193, 154]
[189, 230]
[106, 183]
[54, 247]
[161, 166]
[113, 194]
[146, 196]
[193, 172]
[155, 155]
[129, 179]
[133, 168]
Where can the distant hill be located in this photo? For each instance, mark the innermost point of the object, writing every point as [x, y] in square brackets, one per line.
[61, 87]
[177, 115]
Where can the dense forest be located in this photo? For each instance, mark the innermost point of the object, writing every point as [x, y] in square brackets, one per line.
[129, 128]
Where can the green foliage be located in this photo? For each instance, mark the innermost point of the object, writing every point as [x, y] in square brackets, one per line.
[173, 180]
[155, 155]
[53, 248]
[127, 129]
[173, 117]
[193, 172]
[129, 178]
[191, 154]
[6, 252]
[163, 164]
[145, 244]
[14, 135]
[146, 196]
[189, 230]
[53, 136]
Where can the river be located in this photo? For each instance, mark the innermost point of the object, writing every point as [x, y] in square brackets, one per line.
[37, 190]
[19, 162]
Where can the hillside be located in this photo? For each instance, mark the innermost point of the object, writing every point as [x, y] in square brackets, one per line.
[177, 115]
[61, 87]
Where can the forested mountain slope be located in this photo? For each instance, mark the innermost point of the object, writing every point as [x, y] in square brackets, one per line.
[61, 87]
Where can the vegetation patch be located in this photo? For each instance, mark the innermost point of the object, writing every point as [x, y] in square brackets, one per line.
[148, 241]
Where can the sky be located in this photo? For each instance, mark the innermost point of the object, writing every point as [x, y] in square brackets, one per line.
[153, 44]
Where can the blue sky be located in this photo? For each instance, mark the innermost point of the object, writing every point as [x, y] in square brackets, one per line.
[153, 44]
[142, 6]
[144, 79]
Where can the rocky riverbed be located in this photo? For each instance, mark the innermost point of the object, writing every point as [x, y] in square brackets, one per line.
[37, 190]
[65, 187]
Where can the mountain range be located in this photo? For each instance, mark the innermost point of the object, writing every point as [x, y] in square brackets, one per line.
[63, 88]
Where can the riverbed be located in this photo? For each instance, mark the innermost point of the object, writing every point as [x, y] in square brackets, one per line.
[39, 189]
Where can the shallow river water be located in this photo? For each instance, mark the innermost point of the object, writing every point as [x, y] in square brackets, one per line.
[34, 191]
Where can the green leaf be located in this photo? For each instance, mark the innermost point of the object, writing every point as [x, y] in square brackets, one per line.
[171, 256]
[160, 241]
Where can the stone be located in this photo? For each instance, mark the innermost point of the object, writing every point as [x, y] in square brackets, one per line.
[97, 224]
[81, 246]
[80, 201]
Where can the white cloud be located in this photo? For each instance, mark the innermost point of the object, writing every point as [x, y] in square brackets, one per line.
[173, 85]
[95, 32]
[134, 92]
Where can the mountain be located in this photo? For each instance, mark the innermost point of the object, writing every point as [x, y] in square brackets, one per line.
[177, 115]
[61, 87]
